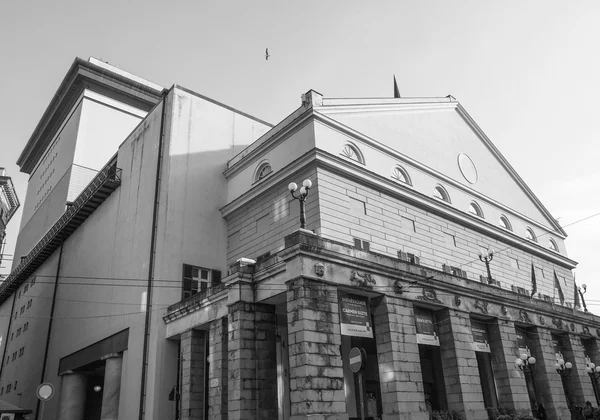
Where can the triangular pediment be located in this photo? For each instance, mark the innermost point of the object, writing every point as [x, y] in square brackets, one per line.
[440, 136]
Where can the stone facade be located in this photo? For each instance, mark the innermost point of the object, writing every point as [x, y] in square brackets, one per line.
[303, 283]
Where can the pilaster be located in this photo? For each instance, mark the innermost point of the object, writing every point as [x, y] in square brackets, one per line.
[399, 364]
[548, 382]
[581, 386]
[314, 337]
[217, 373]
[461, 375]
[252, 385]
[510, 380]
[192, 374]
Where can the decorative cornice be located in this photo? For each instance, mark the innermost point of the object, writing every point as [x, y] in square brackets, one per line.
[395, 272]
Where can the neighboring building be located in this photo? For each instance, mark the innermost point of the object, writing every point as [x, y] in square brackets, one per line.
[9, 203]
[177, 283]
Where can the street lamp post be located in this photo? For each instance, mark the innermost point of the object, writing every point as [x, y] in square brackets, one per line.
[301, 197]
[564, 369]
[486, 257]
[582, 291]
[594, 372]
[526, 363]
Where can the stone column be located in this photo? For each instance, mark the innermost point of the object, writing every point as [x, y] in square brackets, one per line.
[461, 374]
[316, 368]
[252, 369]
[581, 386]
[547, 381]
[510, 380]
[71, 405]
[192, 374]
[111, 391]
[399, 364]
[217, 373]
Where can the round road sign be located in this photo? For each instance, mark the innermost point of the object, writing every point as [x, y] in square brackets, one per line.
[45, 391]
[356, 359]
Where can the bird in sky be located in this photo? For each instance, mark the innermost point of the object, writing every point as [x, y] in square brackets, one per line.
[267, 54]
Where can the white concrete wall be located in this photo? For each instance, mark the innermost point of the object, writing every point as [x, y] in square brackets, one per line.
[201, 137]
[435, 138]
[44, 202]
[89, 137]
[291, 148]
[27, 369]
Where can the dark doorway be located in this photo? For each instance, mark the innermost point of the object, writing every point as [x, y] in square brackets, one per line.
[433, 378]
[486, 376]
[94, 390]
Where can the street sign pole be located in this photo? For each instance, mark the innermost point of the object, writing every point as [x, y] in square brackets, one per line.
[358, 360]
[44, 392]
[361, 396]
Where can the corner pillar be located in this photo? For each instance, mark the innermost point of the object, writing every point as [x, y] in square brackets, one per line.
[111, 392]
[217, 373]
[314, 338]
[252, 370]
[192, 374]
[399, 364]
[461, 375]
[71, 405]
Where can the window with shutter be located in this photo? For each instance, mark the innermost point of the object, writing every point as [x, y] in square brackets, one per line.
[198, 279]
[361, 245]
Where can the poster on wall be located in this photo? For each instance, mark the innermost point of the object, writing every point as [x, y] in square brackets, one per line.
[425, 323]
[522, 342]
[355, 318]
[480, 336]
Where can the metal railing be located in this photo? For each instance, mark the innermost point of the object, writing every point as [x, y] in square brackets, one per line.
[110, 176]
[193, 302]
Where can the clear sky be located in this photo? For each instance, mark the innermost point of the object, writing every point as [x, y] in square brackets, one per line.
[527, 72]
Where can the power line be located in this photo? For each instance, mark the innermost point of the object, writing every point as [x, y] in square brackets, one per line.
[543, 234]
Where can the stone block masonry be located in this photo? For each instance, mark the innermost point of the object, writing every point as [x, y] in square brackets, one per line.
[461, 375]
[392, 225]
[316, 366]
[399, 367]
[510, 381]
[192, 374]
[252, 373]
[218, 357]
[548, 382]
[579, 380]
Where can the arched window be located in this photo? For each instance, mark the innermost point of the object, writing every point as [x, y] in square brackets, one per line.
[352, 152]
[263, 170]
[552, 245]
[505, 223]
[440, 193]
[399, 174]
[475, 209]
[530, 235]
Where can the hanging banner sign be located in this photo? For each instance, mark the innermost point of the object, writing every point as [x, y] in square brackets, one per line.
[522, 342]
[480, 337]
[425, 324]
[355, 318]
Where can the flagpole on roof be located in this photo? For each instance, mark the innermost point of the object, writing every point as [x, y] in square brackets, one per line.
[396, 90]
